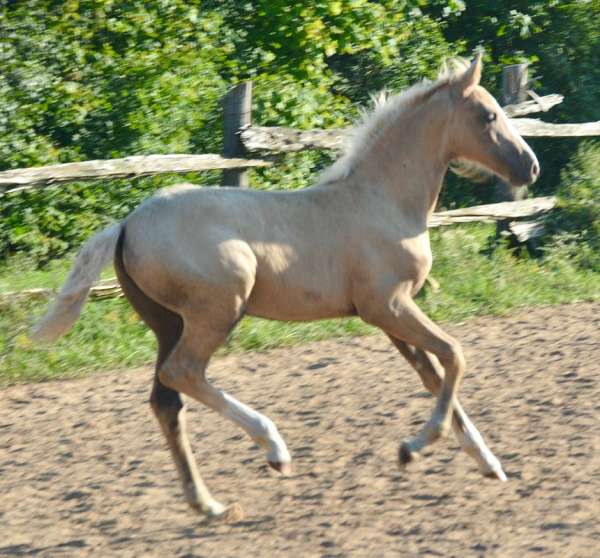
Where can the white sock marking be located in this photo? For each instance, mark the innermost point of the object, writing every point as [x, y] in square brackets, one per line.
[260, 428]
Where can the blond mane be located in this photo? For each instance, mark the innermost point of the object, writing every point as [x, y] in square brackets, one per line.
[387, 109]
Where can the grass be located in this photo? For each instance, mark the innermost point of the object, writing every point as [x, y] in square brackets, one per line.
[110, 336]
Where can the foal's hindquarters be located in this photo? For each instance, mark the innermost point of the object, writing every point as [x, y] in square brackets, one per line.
[192, 311]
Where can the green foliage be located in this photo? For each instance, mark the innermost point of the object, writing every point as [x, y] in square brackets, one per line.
[418, 53]
[100, 79]
[299, 38]
[89, 79]
[574, 227]
[85, 79]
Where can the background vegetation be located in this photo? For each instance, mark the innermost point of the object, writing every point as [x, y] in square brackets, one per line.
[84, 79]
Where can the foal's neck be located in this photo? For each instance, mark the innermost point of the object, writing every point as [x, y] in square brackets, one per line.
[407, 163]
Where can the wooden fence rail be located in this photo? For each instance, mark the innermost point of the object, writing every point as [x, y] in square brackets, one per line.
[531, 127]
[143, 165]
[537, 104]
[254, 138]
[261, 138]
[282, 139]
[489, 213]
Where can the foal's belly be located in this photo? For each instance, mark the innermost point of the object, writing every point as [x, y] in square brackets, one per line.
[287, 298]
[299, 281]
[296, 305]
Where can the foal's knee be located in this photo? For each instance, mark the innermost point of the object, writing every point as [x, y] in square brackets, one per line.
[451, 357]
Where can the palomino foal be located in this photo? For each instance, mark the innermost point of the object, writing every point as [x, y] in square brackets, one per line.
[192, 261]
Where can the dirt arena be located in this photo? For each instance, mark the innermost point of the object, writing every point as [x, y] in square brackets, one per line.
[84, 470]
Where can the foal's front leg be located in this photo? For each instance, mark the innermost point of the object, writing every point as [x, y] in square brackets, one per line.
[398, 316]
[467, 435]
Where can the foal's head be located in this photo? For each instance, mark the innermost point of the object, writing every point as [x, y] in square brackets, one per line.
[481, 132]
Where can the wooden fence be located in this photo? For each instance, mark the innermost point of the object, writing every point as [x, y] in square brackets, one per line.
[242, 138]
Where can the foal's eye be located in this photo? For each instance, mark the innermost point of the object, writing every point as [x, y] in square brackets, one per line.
[491, 116]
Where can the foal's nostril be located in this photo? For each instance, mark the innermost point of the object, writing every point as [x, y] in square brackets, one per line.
[535, 170]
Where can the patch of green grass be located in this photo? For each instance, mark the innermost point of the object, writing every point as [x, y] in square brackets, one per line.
[110, 336]
[473, 283]
[20, 273]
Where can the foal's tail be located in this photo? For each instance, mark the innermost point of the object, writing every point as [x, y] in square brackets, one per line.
[95, 254]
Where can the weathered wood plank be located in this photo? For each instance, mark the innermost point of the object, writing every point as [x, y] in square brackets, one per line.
[108, 288]
[281, 139]
[531, 127]
[493, 212]
[538, 104]
[142, 165]
[277, 138]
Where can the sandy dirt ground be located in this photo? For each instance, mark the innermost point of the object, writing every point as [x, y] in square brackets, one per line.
[84, 470]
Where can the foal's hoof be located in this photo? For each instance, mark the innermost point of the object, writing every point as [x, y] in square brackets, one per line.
[285, 468]
[497, 474]
[406, 455]
[229, 514]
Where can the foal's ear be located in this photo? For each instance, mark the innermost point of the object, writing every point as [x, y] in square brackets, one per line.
[470, 79]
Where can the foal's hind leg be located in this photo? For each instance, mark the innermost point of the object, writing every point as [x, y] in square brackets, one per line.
[166, 403]
[467, 435]
[170, 412]
[185, 369]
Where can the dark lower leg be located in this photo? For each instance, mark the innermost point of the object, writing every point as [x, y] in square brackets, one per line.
[170, 412]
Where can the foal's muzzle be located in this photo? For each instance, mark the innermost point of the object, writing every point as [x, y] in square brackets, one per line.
[527, 172]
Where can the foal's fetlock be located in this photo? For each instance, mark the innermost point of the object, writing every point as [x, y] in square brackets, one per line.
[496, 474]
[444, 428]
[278, 456]
[197, 505]
[493, 470]
[211, 508]
[215, 511]
[437, 431]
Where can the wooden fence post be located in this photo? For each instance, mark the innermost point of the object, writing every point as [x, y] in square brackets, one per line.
[514, 90]
[237, 113]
